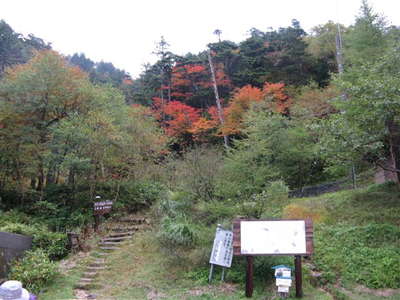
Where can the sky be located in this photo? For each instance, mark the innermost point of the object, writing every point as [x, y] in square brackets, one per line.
[125, 32]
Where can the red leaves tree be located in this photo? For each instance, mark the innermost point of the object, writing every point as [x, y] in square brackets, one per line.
[191, 83]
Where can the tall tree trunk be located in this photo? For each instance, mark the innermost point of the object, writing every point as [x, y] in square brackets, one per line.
[40, 178]
[217, 99]
[71, 176]
[50, 177]
[394, 144]
[33, 183]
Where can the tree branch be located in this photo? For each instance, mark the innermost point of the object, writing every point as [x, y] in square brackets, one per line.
[387, 168]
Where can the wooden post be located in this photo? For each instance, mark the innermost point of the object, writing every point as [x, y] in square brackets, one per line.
[298, 276]
[249, 276]
[96, 222]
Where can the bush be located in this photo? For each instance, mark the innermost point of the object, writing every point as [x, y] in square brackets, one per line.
[177, 232]
[215, 211]
[267, 203]
[138, 195]
[175, 204]
[35, 270]
[196, 172]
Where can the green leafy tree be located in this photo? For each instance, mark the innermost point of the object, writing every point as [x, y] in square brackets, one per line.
[16, 49]
[38, 95]
[367, 38]
[369, 124]
[274, 148]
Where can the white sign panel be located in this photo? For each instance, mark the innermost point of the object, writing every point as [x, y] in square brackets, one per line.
[285, 282]
[222, 251]
[283, 289]
[273, 237]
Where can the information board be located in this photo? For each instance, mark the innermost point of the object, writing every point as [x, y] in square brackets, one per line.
[273, 237]
[222, 250]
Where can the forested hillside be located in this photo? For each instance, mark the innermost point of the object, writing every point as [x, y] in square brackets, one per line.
[199, 139]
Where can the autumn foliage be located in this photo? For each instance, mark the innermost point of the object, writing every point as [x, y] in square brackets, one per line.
[240, 103]
[275, 92]
[187, 123]
[186, 80]
[272, 93]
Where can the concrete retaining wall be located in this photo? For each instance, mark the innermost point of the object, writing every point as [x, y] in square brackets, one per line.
[12, 246]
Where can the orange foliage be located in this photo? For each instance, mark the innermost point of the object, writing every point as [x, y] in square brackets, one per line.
[275, 92]
[240, 103]
[182, 118]
[127, 81]
[176, 117]
[242, 99]
[204, 127]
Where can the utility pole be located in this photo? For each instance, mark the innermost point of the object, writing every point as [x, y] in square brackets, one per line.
[339, 60]
[339, 47]
[217, 100]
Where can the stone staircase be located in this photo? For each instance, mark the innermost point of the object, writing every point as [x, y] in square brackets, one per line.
[120, 232]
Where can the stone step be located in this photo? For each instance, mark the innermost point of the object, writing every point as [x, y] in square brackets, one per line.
[134, 220]
[84, 279]
[97, 264]
[86, 285]
[90, 274]
[124, 229]
[116, 238]
[95, 269]
[109, 243]
[109, 248]
[121, 234]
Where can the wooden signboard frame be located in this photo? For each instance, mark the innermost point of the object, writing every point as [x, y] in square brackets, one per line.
[237, 251]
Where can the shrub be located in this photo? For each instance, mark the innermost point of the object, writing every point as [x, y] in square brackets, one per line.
[35, 270]
[177, 232]
[196, 172]
[215, 211]
[175, 204]
[268, 202]
[138, 195]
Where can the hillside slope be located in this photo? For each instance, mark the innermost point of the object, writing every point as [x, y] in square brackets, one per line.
[356, 256]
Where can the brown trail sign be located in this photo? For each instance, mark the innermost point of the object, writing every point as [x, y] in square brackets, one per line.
[272, 237]
[99, 209]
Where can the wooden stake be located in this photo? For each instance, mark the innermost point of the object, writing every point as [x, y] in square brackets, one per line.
[249, 277]
[96, 222]
[298, 276]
